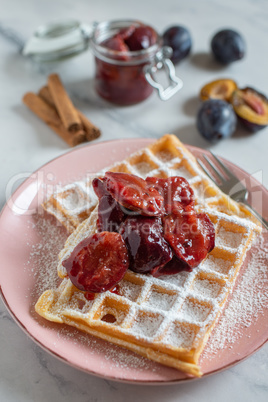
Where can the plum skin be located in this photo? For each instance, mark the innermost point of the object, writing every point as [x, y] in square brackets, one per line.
[179, 39]
[216, 119]
[228, 46]
[148, 250]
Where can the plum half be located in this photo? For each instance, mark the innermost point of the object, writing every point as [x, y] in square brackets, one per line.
[218, 89]
[251, 107]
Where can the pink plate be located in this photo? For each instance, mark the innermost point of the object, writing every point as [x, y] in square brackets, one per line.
[30, 241]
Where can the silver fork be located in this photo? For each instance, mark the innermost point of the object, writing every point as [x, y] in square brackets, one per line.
[228, 183]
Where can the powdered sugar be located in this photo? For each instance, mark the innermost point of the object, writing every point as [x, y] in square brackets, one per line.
[217, 264]
[228, 239]
[146, 326]
[248, 301]
[194, 311]
[160, 300]
[207, 288]
[164, 155]
[152, 312]
[130, 290]
[43, 257]
[181, 336]
[112, 356]
[143, 168]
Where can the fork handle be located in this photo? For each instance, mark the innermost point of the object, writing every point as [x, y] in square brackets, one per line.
[256, 214]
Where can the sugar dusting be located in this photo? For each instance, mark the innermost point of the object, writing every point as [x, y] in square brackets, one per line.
[42, 263]
[112, 356]
[181, 335]
[43, 256]
[247, 303]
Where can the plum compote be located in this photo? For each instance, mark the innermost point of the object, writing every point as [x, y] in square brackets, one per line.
[98, 262]
[120, 61]
[134, 193]
[190, 235]
[148, 250]
[149, 226]
[175, 190]
[110, 212]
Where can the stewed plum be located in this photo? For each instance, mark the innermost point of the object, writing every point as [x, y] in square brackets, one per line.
[99, 188]
[98, 262]
[148, 250]
[134, 193]
[125, 33]
[190, 235]
[141, 38]
[174, 266]
[170, 238]
[228, 46]
[179, 39]
[175, 190]
[216, 119]
[115, 43]
[132, 38]
[110, 213]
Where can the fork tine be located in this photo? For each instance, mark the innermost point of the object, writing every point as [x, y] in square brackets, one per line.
[224, 168]
[205, 169]
[215, 171]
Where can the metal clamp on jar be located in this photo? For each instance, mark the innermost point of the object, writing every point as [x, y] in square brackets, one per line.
[128, 54]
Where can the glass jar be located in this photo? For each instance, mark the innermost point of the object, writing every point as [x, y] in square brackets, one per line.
[124, 78]
[128, 77]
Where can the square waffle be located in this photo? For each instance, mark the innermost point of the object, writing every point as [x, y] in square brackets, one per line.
[166, 319]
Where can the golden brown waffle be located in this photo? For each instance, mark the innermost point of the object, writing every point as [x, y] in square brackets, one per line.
[166, 157]
[166, 319]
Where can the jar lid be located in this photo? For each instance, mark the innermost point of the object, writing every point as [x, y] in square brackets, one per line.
[58, 40]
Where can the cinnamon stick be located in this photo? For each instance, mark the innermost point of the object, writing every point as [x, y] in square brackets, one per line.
[49, 115]
[91, 131]
[64, 105]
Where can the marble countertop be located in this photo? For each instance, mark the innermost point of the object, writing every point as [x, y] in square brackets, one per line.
[27, 372]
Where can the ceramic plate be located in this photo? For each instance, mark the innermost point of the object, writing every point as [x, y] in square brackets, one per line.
[30, 241]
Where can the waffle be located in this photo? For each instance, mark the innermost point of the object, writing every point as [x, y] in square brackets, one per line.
[166, 319]
[166, 157]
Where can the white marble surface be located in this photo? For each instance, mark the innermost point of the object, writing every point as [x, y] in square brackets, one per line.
[27, 373]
